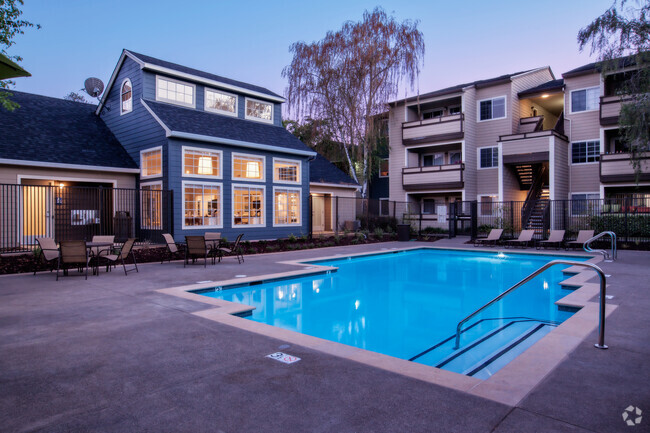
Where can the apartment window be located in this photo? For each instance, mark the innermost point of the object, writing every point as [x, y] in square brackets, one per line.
[202, 204]
[151, 162]
[433, 159]
[201, 163]
[247, 206]
[585, 151]
[220, 102]
[585, 99]
[126, 97]
[488, 157]
[454, 110]
[428, 206]
[286, 171]
[259, 110]
[455, 158]
[432, 114]
[384, 207]
[383, 168]
[584, 204]
[494, 108]
[286, 206]
[176, 92]
[151, 205]
[247, 167]
[487, 202]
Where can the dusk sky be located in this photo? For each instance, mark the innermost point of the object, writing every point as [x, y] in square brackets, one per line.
[249, 41]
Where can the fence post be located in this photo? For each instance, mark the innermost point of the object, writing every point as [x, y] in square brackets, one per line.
[473, 210]
[512, 219]
[311, 217]
[627, 228]
[336, 230]
[452, 219]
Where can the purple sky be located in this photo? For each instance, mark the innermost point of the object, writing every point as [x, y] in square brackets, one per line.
[249, 41]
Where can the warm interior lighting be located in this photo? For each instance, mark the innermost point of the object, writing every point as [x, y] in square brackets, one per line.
[61, 185]
[545, 95]
[205, 165]
[252, 170]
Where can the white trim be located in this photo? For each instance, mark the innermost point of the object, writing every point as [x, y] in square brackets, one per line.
[379, 174]
[68, 166]
[298, 180]
[205, 150]
[258, 119]
[479, 198]
[209, 139]
[288, 188]
[234, 155]
[442, 143]
[111, 81]
[20, 177]
[152, 149]
[551, 169]
[505, 108]
[172, 101]
[500, 170]
[214, 110]
[478, 157]
[221, 204]
[384, 199]
[335, 185]
[584, 163]
[157, 182]
[579, 90]
[232, 205]
[532, 71]
[430, 99]
[122, 112]
[168, 131]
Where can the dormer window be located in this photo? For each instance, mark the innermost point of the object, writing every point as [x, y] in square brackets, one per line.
[126, 97]
[175, 92]
[259, 110]
[220, 102]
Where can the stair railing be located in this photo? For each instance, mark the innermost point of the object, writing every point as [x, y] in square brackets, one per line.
[608, 257]
[603, 284]
[533, 195]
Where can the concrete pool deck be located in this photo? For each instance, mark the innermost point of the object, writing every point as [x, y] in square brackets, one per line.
[113, 354]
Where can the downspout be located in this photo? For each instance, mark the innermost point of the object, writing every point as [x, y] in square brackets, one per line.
[569, 153]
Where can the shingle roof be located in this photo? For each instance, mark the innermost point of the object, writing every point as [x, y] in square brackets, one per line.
[53, 130]
[623, 62]
[321, 170]
[203, 74]
[191, 121]
[549, 86]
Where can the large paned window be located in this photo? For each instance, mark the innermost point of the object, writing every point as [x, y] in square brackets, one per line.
[286, 171]
[247, 206]
[126, 105]
[176, 92]
[220, 102]
[585, 204]
[494, 108]
[585, 99]
[487, 207]
[488, 157]
[383, 168]
[286, 206]
[585, 151]
[151, 205]
[151, 163]
[259, 110]
[201, 163]
[455, 158]
[202, 204]
[428, 206]
[247, 167]
[433, 159]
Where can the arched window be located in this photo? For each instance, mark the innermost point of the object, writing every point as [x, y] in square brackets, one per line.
[127, 97]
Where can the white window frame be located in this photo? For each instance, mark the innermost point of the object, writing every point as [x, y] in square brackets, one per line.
[495, 199]
[122, 111]
[171, 101]
[505, 108]
[379, 174]
[201, 149]
[151, 149]
[221, 204]
[584, 163]
[257, 119]
[380, 207]
[299, 191]
[142, 224]
[214, 110]
[452, 107]
[478, 158]
[232, 205]
[289, 161]
[247, 155]
[571, 194]
[585, 90]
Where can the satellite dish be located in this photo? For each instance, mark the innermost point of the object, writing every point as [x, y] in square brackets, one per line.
[94, 86]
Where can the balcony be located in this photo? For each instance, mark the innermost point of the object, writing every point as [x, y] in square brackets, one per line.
[616, 167]
[443, 128]
[610, 109]
[438, 177]
[529, 147]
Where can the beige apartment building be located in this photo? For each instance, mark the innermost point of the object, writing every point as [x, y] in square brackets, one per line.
[525, 137]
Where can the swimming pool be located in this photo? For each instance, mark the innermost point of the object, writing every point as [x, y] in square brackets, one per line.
[407, 305]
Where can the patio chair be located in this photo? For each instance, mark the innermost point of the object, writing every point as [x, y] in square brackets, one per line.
[72, 254]
[94, 251]
[524, 240]
[195, 248]
[556, 238]
[113, 259]
[583, 236]
[48, 254]
[235, 249]
[212, 240]
[172, 247]
[493, 238]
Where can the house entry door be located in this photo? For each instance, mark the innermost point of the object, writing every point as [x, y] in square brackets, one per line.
[37, 218]
[318, 213]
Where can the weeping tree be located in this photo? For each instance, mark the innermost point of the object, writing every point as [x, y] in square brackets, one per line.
[345, 80]
[620, 38]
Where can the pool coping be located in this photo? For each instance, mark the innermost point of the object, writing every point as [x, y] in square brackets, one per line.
[509, 385]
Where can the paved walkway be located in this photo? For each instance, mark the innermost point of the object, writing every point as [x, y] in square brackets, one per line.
[111, 354]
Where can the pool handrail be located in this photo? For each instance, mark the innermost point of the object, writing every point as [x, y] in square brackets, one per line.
[603, 282]
[606, 255]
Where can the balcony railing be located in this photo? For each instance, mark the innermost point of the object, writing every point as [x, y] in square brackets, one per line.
[529, 147]
[610, 109]
[444, 128]
[448, 176]
[616, 167]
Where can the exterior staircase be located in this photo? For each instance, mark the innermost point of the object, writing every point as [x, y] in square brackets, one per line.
[538, 213]
[534, 210]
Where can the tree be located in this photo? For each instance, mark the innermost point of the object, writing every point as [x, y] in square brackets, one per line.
[76, 97]
[10, 26]
[345, 80]
[621, 38]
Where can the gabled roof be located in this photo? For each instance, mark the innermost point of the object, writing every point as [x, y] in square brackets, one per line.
[321, 170]
[191, 124]
[57, 131]
[548, 87]
[596, 67]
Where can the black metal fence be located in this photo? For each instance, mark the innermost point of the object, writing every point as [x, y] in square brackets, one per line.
[80, 212]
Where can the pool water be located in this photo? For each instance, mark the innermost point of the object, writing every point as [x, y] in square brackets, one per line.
[406, 303]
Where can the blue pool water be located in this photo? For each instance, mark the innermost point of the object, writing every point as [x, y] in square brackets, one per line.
[403, 304]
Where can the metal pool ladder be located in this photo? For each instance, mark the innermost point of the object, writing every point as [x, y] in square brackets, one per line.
[603, 281]
[608, 257]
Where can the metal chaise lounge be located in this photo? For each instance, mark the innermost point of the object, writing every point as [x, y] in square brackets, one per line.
[524, 240]
[125, 252]
[556, 239]
[48, 254]
[493, 238]
[583, 236]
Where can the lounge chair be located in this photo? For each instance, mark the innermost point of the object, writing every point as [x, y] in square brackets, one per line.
[524, 240]
[195, 248]
[72, 254]
[235, 249]
[48, 254]
[94, 251]
[493, 238]
[583, 236]
[125, 252]
[172, 247]
[556, 239]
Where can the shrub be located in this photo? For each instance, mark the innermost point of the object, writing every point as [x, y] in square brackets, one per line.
[292, 238]
[632, 226]
[379, 233]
